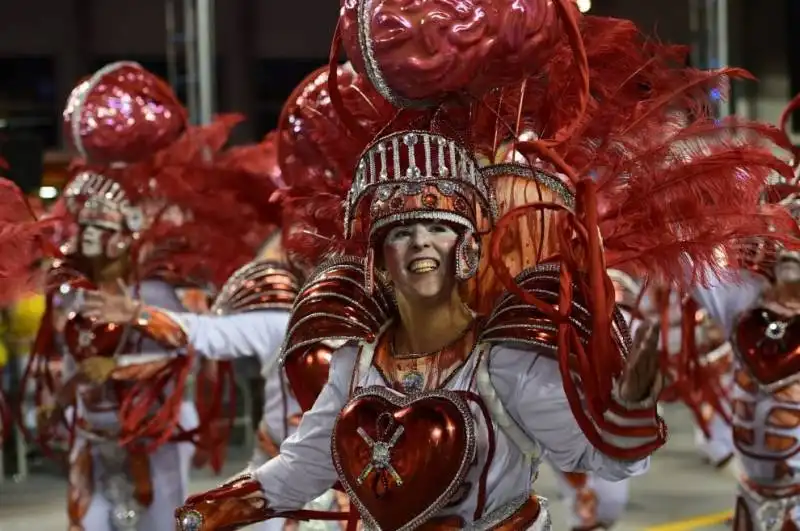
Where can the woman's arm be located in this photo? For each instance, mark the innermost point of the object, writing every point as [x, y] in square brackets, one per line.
[221, 337]
[159, 316]
[301, 472]
[530, 387]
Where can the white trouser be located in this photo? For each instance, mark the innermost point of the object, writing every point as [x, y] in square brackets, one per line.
[611, 499]
[169, 475]
[719, 447]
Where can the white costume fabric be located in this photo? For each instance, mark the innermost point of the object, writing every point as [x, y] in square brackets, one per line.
[256, 334]
[527, 384]
[169, 465]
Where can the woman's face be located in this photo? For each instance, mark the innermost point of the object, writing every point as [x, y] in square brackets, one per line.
[93, 241]
[787, 270]
[420, 258]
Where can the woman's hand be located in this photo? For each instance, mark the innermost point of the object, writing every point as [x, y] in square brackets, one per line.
[97, 369]
[236, 504]
[642, 377]
[104, 307]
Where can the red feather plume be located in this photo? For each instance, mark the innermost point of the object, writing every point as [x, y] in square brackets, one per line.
[25, 242]
[672, 191]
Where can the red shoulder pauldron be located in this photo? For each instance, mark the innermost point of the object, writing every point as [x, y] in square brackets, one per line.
[259, 285]
[520, 324]
[335, 305]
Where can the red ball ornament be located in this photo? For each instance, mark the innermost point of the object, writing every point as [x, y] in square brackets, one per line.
[122, 114]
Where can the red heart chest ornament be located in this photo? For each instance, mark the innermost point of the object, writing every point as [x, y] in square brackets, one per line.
[769, 346]
[402, 458]
[86, 339]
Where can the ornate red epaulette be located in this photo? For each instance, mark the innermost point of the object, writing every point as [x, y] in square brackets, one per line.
[259, 285]
[520, 324]
[333, 306]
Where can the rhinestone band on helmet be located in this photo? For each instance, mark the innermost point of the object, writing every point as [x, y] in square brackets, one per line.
[95, 199]
[418, 175]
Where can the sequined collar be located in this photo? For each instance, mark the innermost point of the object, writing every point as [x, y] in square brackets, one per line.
[428, 371]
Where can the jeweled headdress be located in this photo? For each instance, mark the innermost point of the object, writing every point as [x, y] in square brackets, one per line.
[418, 175]
[122, 114]
[94, 199]
[601, 99]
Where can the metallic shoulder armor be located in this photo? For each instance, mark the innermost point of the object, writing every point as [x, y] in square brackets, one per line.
[520, 324]
[259, 285]
[336, 305]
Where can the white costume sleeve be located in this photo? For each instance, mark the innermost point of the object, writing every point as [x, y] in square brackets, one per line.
[224, 337]
[68, 367]
[304, 468]
[725, 300]
[530, 387]
[162, 295]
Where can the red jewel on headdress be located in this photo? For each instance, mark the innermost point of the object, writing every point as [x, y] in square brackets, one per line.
[430, 200]
[396, 203]
[460, 205]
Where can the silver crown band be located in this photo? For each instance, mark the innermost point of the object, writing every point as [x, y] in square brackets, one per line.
[393, 159]
[91, 196]
[94, 186]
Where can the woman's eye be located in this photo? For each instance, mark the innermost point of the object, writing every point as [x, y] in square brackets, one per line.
[438, 228]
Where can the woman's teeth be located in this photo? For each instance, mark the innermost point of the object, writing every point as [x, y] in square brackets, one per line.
[423, 265]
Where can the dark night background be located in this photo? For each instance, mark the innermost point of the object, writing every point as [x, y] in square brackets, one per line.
[265, 47]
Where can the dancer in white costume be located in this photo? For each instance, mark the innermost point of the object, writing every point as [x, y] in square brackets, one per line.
[248, 319]
[132, 429]
[437, 412]
[114, 488]
[758, 315]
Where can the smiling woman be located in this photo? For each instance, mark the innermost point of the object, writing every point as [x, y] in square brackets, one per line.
[477, 315]
[420, 260]
[418, 408]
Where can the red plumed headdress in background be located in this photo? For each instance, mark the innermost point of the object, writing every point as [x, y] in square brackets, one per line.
[122, 114]
[133, 135]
